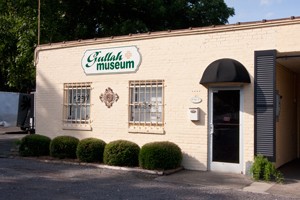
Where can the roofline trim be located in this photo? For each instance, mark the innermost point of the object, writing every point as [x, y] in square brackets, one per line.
[179, 32]
[169, 33]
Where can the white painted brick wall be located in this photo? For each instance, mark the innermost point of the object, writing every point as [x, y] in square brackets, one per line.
[180, 61]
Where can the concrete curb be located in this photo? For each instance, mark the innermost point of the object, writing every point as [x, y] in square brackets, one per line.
[103, 166]
[258, 187]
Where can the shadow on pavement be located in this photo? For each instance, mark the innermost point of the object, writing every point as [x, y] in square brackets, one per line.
[291, 170]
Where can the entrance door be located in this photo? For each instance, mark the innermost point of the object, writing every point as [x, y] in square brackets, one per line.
[224, 133]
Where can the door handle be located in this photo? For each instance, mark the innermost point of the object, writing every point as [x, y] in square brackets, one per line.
[211, 129]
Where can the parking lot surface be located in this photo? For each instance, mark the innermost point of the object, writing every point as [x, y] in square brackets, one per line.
[36, 178]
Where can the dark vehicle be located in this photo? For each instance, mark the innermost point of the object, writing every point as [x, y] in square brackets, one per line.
[17, 109]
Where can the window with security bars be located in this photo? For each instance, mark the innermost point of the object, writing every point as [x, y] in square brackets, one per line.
[77, 103]
[146, 106]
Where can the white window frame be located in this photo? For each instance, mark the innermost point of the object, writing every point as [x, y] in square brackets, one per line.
[146, 105]
[77, 106]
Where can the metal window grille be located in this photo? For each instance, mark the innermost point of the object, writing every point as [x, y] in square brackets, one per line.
[77, 103]
[146, 103]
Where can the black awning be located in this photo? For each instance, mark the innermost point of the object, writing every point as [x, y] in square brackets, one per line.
[225, 70]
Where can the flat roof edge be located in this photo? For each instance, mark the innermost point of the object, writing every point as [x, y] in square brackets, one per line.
[172, 33]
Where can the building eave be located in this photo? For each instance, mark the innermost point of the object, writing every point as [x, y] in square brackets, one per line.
[171, 33]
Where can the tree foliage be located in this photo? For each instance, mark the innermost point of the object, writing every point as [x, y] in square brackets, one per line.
[63, 20]
[17, 32]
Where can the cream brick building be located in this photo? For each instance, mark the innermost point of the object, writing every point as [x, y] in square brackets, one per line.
[146, 87]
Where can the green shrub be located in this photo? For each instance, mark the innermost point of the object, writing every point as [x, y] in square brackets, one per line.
[121, 153]
[34, 145]
[262, 169]
[64, 147]
[90, 150]
[160, 156]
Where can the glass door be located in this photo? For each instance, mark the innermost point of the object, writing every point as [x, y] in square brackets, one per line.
[224, 133]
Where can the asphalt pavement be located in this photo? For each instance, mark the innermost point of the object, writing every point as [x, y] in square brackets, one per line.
[227, 181]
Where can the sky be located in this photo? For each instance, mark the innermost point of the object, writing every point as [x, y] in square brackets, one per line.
[257, 10]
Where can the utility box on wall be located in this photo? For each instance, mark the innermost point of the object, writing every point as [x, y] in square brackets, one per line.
[194, 114]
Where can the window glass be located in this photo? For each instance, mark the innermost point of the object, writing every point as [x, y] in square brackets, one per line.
[146, 102]
[77, 103]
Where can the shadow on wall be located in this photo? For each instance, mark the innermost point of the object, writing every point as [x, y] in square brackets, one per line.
[49, 106]
[192, 161]
[50, 109]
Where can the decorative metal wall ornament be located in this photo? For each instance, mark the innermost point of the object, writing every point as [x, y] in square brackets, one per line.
[109, 97]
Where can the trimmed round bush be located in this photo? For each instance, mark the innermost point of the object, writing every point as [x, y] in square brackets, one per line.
[64, 147]
[121, 153]
[90, 150]
[160, 156]
[34, 145]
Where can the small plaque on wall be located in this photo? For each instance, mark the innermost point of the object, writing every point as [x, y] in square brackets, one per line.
[196, 99]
